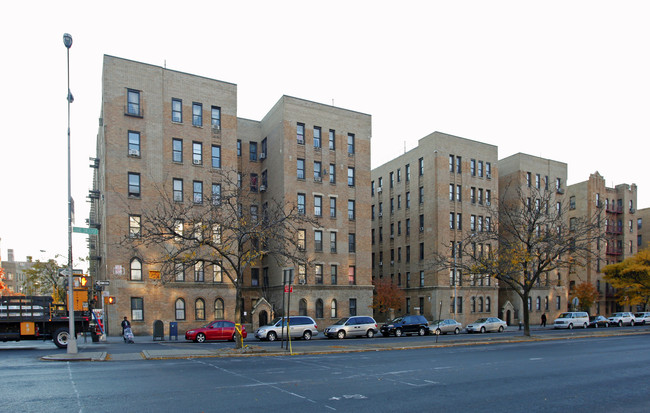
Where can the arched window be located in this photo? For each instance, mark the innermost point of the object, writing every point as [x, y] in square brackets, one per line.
[530, 303]
[480, 304]
[538, 303]
[180, 309]
[136, 270]
[333, 312]
[218, 309]
[319, 308]
[302, 307]
[199, 309]
[487, 304]
[473, 304]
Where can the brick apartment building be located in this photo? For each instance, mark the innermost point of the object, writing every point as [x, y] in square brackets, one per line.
[423, 202]
[164, 130]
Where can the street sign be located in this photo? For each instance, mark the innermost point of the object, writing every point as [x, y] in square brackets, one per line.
[82, 230]
[103, 282]
[65, 273]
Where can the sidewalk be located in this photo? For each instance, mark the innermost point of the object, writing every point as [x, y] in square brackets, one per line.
[321, 346]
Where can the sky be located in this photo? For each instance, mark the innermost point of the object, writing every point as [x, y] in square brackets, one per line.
[564, 80]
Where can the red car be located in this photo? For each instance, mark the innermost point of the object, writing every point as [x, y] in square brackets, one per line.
[216, 330]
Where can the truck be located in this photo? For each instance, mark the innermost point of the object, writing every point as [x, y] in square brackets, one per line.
[39, 318]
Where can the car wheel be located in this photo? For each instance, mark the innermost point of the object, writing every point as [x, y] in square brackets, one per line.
[61, 337]
[482, 330]
[596, 325]
[200, 338]
[620, 323]
[272, 336]
[438, 331]
[340, 334]
[306, 335]
[421, 331]
[606, 324]
[457, 330]
[570, 326]
[398, 332]
[584, 325]
[500, 329]
[370, 334]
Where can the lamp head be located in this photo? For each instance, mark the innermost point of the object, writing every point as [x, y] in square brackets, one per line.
[67, 40]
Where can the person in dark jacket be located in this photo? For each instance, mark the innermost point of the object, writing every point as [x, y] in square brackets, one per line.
[125, 324]
[543, 320]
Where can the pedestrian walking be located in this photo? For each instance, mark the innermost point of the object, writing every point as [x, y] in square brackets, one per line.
[125, 324]
[543, 320]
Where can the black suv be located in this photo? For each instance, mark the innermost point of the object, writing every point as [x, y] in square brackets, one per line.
[407, 324]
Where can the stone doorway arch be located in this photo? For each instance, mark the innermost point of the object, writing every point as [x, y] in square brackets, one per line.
[506, 312]
[261, 313]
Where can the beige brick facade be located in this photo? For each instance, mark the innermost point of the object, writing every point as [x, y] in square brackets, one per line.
[142, 99]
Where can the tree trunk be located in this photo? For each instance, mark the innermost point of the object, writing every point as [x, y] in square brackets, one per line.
[524, 298]
[238, 318]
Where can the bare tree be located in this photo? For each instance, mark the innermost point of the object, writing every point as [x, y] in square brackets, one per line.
[526, 241]
[230, 230]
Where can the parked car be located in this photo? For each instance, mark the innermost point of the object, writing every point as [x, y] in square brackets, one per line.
[298, 326]
[572, 319]
[406, 325]
[483, 325]
[216, 330]
[620, 319]
[598, 321]
[642, 318]
[445, 326]
[355, 326]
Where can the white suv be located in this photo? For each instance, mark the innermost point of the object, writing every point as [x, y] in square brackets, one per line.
[619, 319]
[642, 318]
[572, 320]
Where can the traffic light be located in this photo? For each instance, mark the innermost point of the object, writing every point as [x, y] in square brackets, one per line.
[112, 300]
[83, 281]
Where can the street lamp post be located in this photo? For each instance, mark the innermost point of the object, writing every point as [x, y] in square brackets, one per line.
[72, 339]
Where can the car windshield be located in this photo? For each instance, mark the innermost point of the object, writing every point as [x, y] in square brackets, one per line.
[640, 315]
[275, 321]
[397, 320]
[342, 321]
[481, 320]
[565, 315]
[617, 315]
[437, 322]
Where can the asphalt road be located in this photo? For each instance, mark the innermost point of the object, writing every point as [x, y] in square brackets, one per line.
[592, 374]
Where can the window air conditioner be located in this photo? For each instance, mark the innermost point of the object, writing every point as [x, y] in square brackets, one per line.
[381, 264]
[262, 188]
[262, 156]
[134, 152]
[379, 189]
[196, 161]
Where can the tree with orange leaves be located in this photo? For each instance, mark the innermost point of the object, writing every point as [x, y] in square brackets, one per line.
[387, 296]
[587, 295]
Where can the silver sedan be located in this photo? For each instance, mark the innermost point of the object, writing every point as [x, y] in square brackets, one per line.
[445, 326]
[487, 324]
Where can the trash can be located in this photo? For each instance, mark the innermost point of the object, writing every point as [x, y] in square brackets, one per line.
[158, 330]
[173, 330]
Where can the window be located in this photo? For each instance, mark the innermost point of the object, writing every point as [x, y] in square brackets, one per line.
[136, 270]
[332, 173]
[301, 239]
[480, 304]
[253, 182]
[216, 156]
[317, 171]
[352, 275]
[198, 192]
[197, 114]
[177, 150]
[133, 102]
[480, 169]
[264, 149]
[318, 205]
[451, 163]
[198, 271]
[134, 184]
[217, 273]
[332, 207]
[134, 143]
[318, 241]
[458, 164]
[301, 204]
[252, 148]
[353, 307]
[318, 273]
[473, 304]
[332, 139]
[301, 169]
[451, 220]
[199, 309]
[178, 229]
[178, 190]
[302, 274]
[255, 277]
[238, 147]
[215, 117]
[300, 133]
[333, 312]
[134, 226]
[350, 143]
[350, 176]
[319, 308]
[488, 175]
[177, 110]
[137, 309]
[421, 251]
[421, 278]
[180, 309]
[197, 153]
[333, 242]
[351, 242]
[351, 209]
[216, 194]
[391, 180]
[538, 181]
[558, 183]
[421, 166]
[408, 200]
[407, 170]
[317, 138]
[218, 309]
[451, 192]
